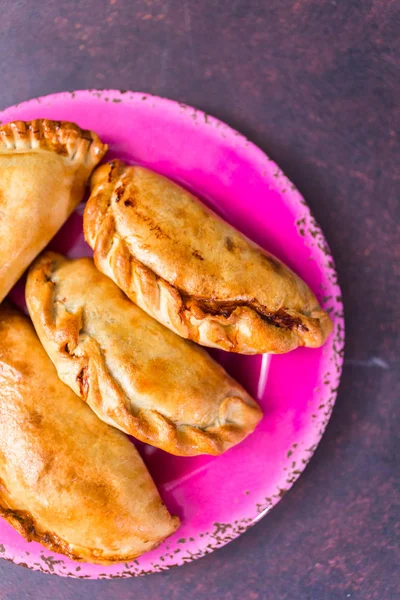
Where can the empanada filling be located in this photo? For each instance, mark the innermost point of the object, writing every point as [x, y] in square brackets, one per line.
[226, 308]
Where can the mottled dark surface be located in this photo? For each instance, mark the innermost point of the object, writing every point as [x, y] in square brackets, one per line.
[317, 85]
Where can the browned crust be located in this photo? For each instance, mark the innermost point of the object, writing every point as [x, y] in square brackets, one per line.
[29, 526]
[25, 525]
[247, 327]
[80, 355]
[61, 137]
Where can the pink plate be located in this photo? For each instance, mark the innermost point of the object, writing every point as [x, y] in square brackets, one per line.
[297, 390]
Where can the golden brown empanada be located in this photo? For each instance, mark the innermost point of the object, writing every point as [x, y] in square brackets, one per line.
[135, 374]
[192, 271]
[67, 480]
[44, 167]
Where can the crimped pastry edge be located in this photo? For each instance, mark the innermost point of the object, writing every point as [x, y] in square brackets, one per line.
[244, 331]
[61, 137]
[88, 377]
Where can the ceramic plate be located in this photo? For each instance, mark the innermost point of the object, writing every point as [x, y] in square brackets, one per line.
[217, 498]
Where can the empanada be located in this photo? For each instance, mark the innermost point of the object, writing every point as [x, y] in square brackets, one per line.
[192, 271]
[44, 167]
[135, 373]
[67, 480]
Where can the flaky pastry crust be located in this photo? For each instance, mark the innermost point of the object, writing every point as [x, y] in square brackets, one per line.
[134, 373]
[44, 168]
[68, 480]
[192, 271]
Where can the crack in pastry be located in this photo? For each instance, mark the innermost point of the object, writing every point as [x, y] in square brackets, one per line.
[225, 309]
[193, 272]
[68, 480]
[133, 372]
[44, 168]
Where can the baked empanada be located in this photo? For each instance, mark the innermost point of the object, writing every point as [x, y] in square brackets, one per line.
[192, 271]
[67, 480]
[135, 373]
[44, 167]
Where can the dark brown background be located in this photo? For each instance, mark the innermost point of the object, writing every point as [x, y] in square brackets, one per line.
[316, 84]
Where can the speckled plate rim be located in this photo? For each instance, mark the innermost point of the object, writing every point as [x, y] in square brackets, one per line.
[178, 551]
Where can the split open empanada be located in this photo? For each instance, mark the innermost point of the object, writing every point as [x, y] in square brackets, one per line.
[68, 480]
[134, 373]
[44, 167]
[192, 271]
